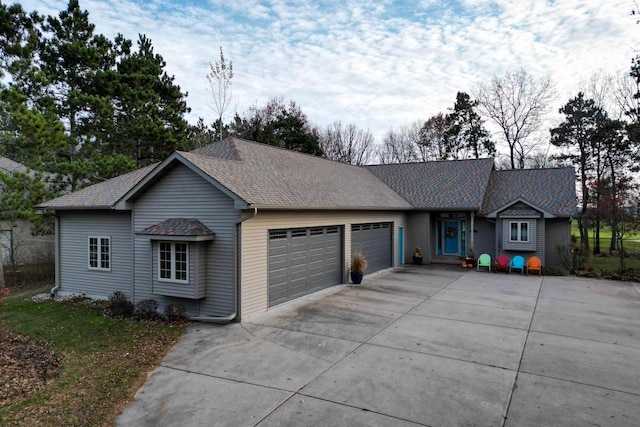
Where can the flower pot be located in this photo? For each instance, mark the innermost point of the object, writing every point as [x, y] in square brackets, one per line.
[471, 263]
[356, 278]
[417, 260]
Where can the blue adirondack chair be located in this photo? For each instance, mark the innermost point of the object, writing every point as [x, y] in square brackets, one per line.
[517, 263]
[484, 260]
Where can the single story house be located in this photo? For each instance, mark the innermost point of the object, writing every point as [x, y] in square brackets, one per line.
[234, 228]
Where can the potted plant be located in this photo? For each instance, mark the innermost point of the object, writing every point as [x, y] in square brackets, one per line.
[471, 258]
[417, 257]
[358, 266]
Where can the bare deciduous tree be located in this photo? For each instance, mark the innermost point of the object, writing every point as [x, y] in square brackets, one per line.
[431, 143]
[517, 103]
[623, 91]
[347, 144]
[400, 146]
[219, 79]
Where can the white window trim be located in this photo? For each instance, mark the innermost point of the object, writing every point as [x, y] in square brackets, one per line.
[173, 262]
[99, 253]
[519, 232]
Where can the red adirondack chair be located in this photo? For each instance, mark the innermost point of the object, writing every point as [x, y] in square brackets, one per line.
[502, 263]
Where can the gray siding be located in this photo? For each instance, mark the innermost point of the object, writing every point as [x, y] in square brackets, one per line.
[485, 238]
[183, 194]
[75, 275]
[417, 236]
[18, 244]
[558, 232]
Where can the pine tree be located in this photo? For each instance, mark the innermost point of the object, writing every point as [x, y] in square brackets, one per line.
[465, 136]
[149, 117]
[72, 55]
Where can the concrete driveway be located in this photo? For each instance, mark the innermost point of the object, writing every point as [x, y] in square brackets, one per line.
[425, 345]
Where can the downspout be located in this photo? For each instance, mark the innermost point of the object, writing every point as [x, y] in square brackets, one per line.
[56, 255]
[236, 278]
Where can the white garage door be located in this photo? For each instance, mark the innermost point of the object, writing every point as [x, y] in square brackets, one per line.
[302, 261]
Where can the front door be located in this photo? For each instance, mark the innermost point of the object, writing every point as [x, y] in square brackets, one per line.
[451, 237]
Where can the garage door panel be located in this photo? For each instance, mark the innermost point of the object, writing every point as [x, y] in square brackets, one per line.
[375, 242]
[302, 261]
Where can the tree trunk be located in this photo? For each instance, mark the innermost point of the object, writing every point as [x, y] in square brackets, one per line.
[596, 236]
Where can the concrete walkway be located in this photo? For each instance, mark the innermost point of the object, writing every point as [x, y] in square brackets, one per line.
[426, 345]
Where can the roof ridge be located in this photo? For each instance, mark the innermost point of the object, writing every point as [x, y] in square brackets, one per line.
[426, 162]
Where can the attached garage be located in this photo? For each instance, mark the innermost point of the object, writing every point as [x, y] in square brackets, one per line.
[375, 242]
[303, 261]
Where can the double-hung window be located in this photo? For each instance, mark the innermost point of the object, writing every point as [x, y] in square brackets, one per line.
[173, 262]
[519, 231]
[99, 253]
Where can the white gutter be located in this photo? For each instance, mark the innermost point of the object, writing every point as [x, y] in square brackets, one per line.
[236, 278]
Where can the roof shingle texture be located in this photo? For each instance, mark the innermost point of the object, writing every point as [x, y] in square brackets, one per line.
[550, 189]
[458, 184]
[102, 195]
[263, 175]
[178, 227]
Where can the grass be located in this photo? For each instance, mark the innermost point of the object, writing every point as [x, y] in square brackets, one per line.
[605, 262]
[104, 360]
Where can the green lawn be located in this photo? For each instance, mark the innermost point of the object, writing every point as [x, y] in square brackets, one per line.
[611, 263]
[104, 360]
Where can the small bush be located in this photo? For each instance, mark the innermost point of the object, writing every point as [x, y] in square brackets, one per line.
[119, 306]
[173, 312]
[146, 309]
[573, 258]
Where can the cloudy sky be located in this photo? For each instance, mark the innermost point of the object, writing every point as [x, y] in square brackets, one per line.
[377, 64]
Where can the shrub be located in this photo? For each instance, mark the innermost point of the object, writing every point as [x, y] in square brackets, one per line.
[146, 309]
[119, 306]
[573, 258]
[173, 312]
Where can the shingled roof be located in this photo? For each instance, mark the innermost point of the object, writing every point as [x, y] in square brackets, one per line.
[266, 176]
[178, 227]
[259, 175]
[100, 196]
[552, 190]
[451, 185]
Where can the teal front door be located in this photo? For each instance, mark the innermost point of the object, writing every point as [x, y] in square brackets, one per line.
[451, 237]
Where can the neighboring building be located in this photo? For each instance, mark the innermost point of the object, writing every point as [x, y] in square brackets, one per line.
[18, 244]
[238, 227]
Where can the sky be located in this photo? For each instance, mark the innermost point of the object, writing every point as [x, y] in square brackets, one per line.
[376, 64]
